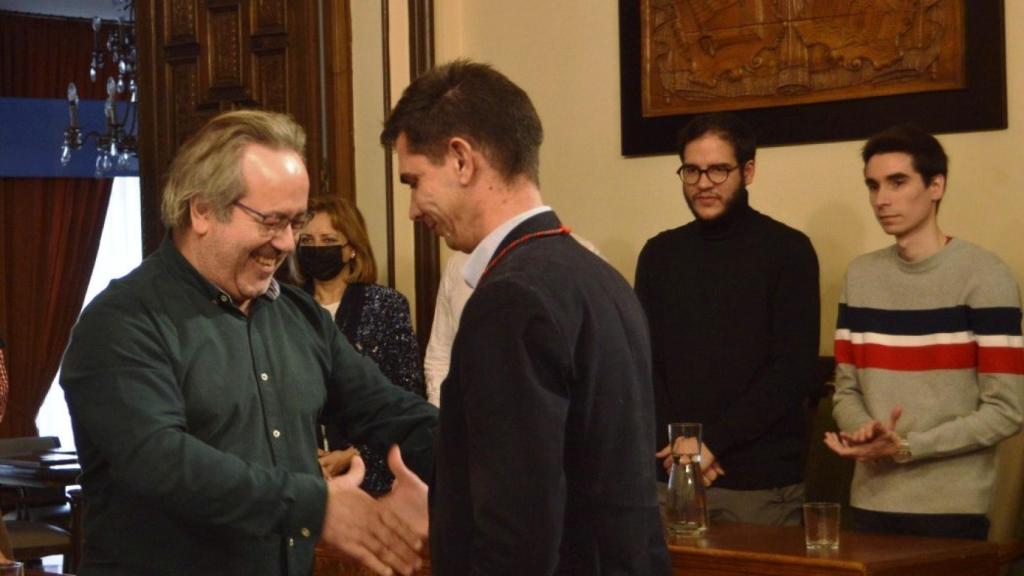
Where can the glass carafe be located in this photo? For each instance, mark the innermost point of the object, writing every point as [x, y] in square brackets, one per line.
[686, 510]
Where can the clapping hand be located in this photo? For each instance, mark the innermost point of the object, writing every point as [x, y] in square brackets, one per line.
[871, 442]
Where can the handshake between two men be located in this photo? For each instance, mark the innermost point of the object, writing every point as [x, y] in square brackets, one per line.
[385, 535]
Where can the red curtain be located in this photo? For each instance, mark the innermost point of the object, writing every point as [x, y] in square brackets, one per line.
[51, 227]
[39, 56]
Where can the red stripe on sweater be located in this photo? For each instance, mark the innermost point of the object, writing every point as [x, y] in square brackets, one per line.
[1001, 360]
[908, 358]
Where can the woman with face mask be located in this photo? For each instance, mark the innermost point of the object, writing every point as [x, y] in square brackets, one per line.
[334, 262]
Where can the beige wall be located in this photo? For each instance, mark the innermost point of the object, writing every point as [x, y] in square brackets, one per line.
[565, 55]
[368, 106]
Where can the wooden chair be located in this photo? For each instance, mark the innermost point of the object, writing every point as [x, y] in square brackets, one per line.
[1005, 511]
[35, 540]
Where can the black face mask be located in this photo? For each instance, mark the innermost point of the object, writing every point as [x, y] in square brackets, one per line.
[321, 262]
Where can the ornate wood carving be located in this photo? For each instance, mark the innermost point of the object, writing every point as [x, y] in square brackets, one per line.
[272, 70]
[182, 86]
[181, 18]
[702, 55]
[198, 58]
[225, 47]
[271, 15]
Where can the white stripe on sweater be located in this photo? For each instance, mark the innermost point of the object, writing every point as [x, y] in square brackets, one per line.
[984, 341]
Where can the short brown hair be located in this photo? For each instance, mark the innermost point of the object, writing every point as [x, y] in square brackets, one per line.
[208, 165]
[472, 101]
[345, 218]
[925, 151]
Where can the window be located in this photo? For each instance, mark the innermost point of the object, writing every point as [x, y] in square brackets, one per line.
[120, 251]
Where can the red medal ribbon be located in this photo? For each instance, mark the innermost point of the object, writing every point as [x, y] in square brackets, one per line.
[519, 242]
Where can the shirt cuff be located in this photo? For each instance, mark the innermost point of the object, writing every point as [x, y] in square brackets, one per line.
[306, 518]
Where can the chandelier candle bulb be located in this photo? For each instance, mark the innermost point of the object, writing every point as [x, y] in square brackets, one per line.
[118, 144]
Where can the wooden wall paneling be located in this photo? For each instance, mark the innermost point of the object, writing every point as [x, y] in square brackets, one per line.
[426, 250]
[201, 57]
[270, 56]
[340, 153]
[181, 21]
[271, 79]
[149, 35]
[389, 156]
[224, 37]
[303, 73]
[270, 15]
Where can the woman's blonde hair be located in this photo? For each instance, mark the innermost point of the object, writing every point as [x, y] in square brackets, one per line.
[209, 164]
[345, 218]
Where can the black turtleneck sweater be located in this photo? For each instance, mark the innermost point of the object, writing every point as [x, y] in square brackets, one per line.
[733, 309]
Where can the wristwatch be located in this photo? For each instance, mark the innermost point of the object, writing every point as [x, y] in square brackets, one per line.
[903, 454]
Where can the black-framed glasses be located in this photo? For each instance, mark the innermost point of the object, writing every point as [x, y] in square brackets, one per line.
[716, 173]
[274, 224]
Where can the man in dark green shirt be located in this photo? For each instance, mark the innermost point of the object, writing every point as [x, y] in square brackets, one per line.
[195, 384]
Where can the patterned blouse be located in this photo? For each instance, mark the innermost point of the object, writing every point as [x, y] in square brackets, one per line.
[376, 321]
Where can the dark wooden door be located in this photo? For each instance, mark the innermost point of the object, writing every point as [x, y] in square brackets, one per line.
[201, 57]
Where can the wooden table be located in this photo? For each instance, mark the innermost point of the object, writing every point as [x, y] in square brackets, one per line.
[333, 563]
[748, 550]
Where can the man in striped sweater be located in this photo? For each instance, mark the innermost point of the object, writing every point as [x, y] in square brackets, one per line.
[930, 373]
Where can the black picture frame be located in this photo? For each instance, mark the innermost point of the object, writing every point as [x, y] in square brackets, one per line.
[982, 105]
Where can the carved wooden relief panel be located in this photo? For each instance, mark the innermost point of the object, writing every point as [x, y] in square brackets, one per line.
[184, 119]
[270, 15]
[224, 38]
[202, 57]
[271, 73]
[703, 55]
[181, 18]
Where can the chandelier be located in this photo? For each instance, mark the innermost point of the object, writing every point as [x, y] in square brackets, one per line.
[117, 145]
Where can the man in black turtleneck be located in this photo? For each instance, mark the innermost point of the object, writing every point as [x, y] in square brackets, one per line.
[733, 307]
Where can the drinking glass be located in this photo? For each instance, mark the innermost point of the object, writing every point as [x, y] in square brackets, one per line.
[821, 525]
[12, 568]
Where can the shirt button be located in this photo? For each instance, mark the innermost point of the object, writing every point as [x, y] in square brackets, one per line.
[291, 542]
[223, 298]
[304, 532]
[264, 376]
[276, 433]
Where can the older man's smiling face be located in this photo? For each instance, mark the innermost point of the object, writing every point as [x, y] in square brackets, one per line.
[240, 255]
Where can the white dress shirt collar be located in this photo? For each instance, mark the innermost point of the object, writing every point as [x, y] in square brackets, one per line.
[484, 251]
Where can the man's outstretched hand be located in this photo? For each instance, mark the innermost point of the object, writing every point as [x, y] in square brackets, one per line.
[366, 529]
[408, 496]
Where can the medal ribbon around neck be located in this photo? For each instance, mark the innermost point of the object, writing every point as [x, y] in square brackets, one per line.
[519, 242]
